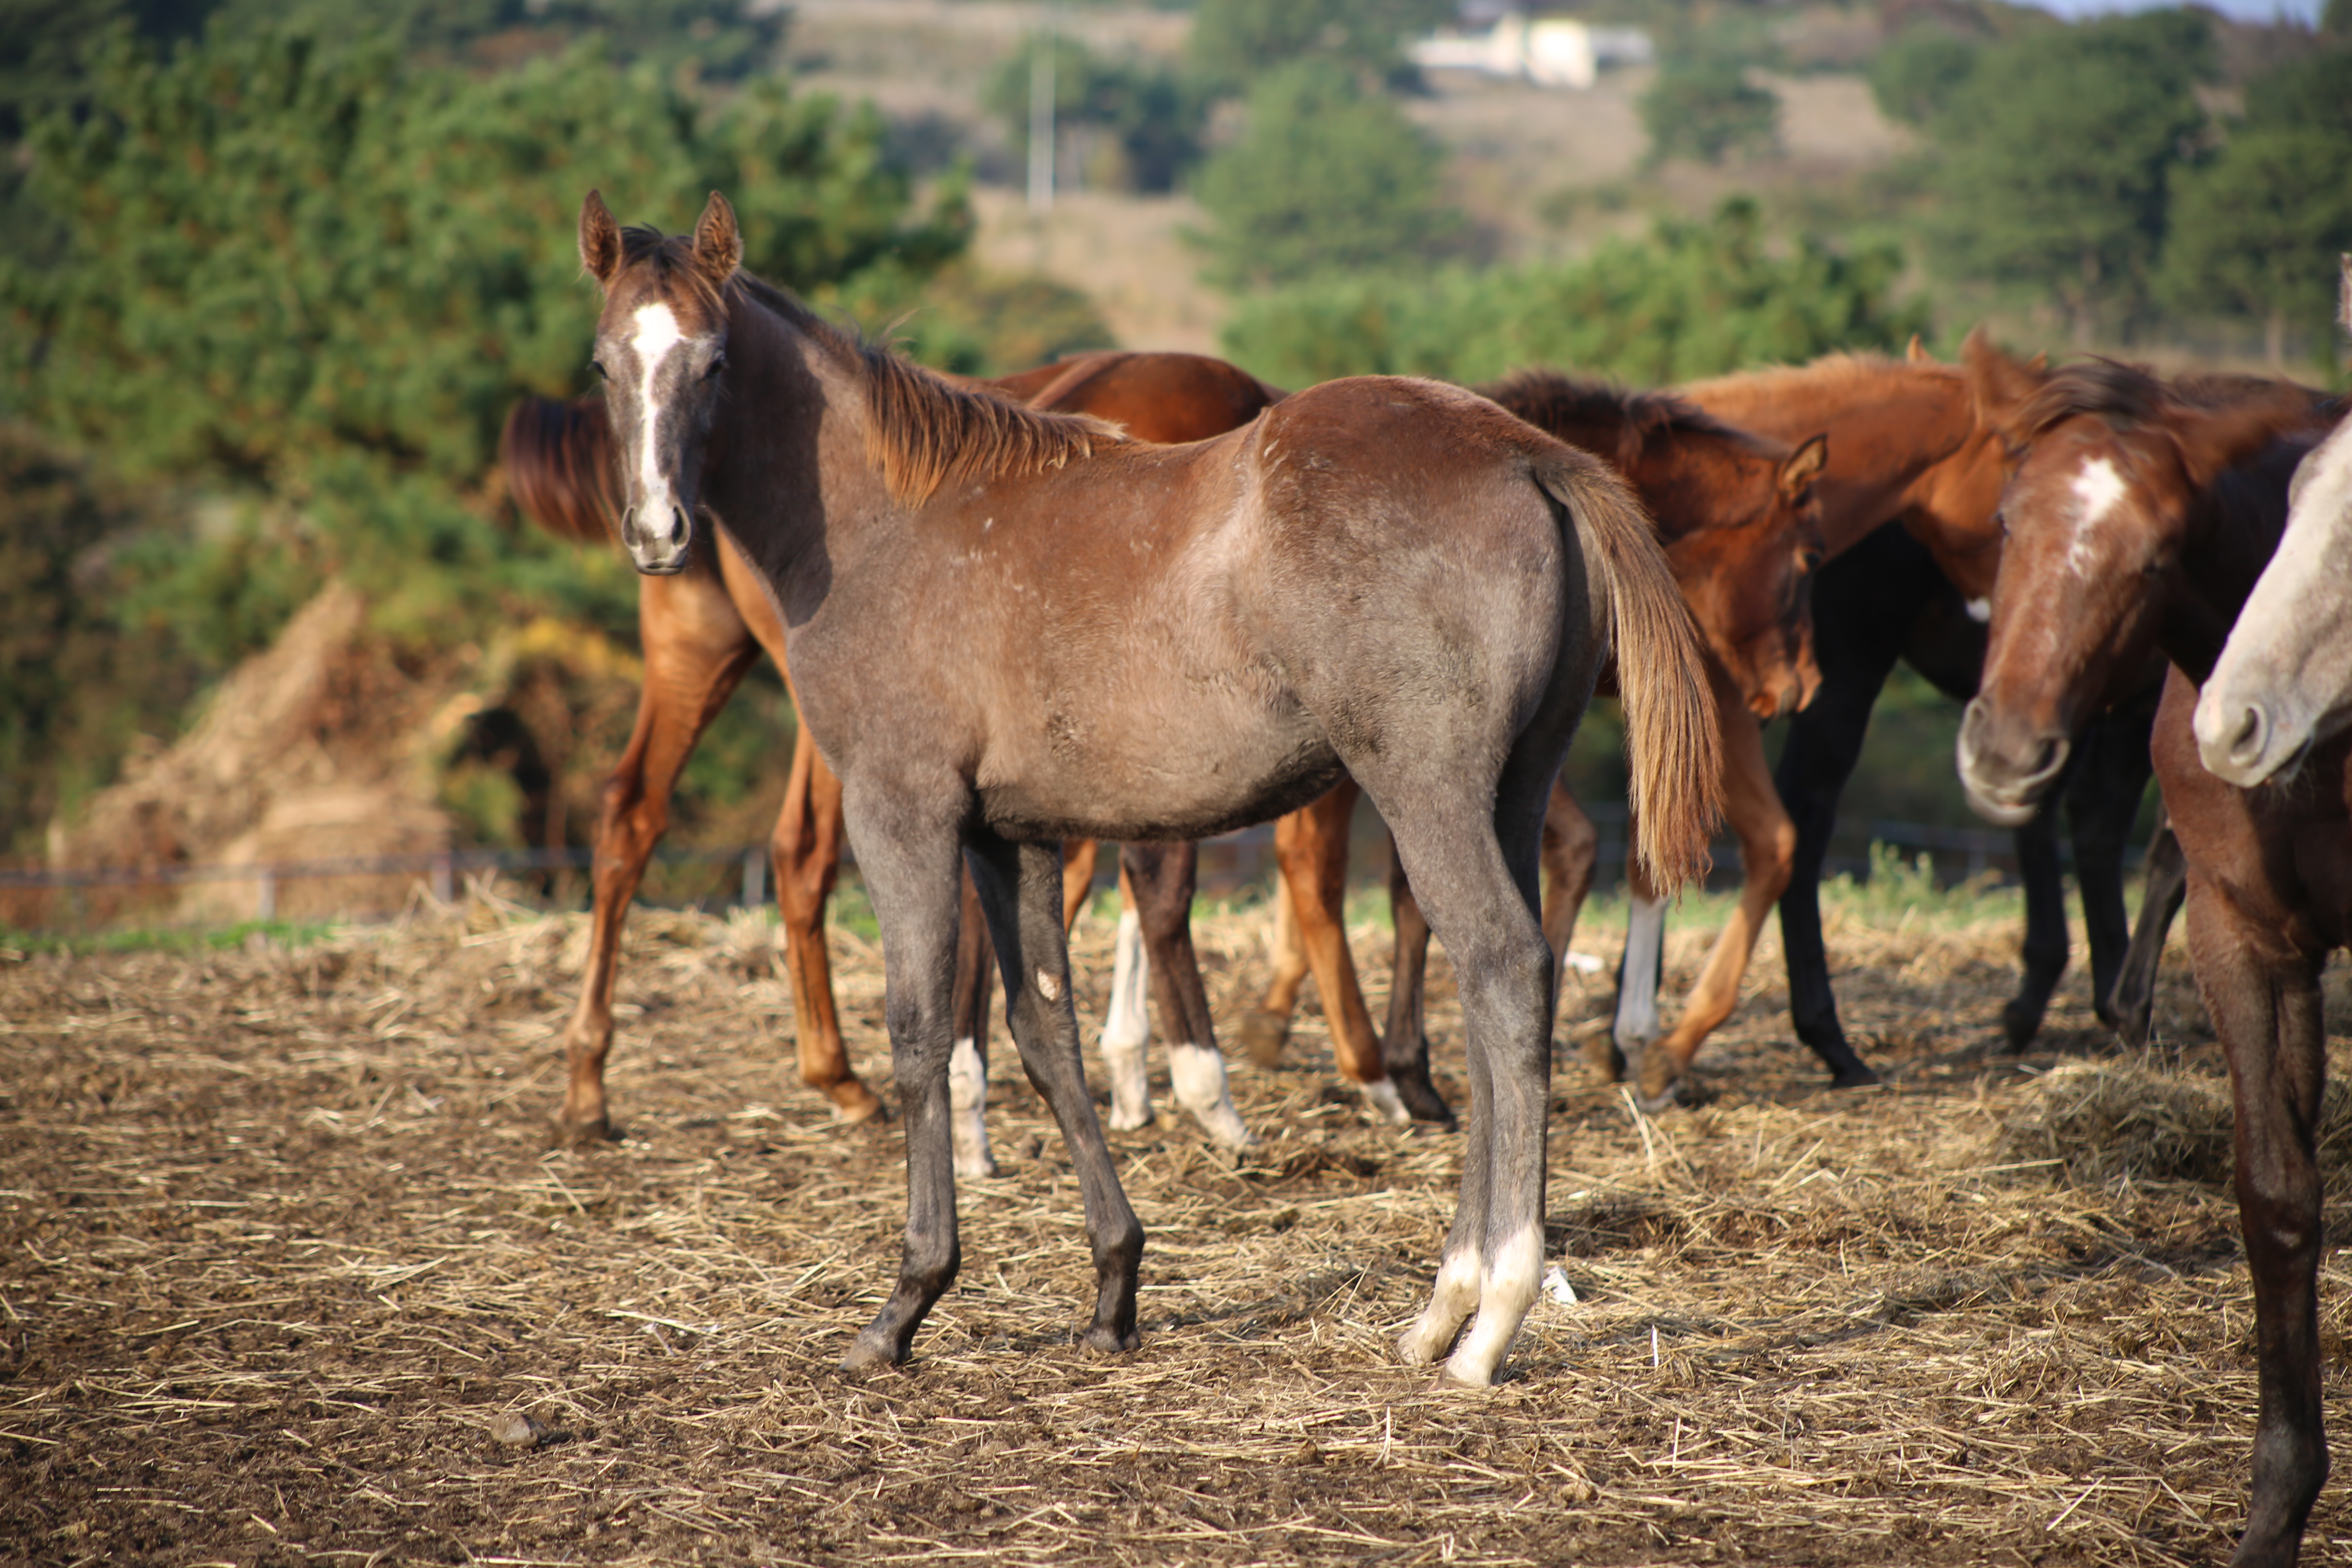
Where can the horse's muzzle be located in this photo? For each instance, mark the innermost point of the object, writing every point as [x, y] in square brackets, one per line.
[2246, 740]
[658, 552]
[2006, 772]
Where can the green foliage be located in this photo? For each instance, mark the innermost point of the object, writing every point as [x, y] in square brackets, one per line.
[1326, 177]
[1151, 114]
[1693, 299]
[1915, 77]
[972, 323]
[1706, 108]
[324, 276]
[2056, 153]
[1233, 42]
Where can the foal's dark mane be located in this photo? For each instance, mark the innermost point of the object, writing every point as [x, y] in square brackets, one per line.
[1542, 397]
[2127, 395]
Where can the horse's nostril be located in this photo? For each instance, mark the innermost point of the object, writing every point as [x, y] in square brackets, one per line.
[2052, 757]
[677, 525]
[2246, 742]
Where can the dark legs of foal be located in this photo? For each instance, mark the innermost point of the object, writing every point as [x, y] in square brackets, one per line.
[2130, 1009]
[913, 877]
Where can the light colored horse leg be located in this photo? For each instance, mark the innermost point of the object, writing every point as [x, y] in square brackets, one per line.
[1127, 1027]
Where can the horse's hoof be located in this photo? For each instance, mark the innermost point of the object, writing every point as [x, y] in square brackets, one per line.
[1422, 1100]
[1858, 1076]
[1659, 1084]
[868, 1355]
[1102, 1339]
[1262, 1034]
[1603, 1060]
[584, 1132]
[853, 1102]
[1381, 1099]
[2020, 1022]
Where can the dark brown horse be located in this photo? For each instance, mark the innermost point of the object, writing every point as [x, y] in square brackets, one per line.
[1736, 515]
[2139, 517]
[1007, 628]
[701, 630]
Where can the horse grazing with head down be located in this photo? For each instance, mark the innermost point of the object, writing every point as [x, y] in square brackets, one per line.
[1008, 627]
[2139, 517]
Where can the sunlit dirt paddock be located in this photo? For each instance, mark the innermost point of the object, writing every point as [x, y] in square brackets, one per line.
[288, 1274]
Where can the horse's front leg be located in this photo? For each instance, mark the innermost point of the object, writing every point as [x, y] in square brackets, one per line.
[909, 859]
[806, 850]
[2130, 1008]
[1021, 891]
[2264, 1000]
[2102, 804]
[2044, 949]
[697, 651]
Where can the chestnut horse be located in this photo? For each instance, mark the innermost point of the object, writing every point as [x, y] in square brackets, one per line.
[1908, 444]
[1736, 515]
[2139, 518]
[701, 630]
[1008, 627]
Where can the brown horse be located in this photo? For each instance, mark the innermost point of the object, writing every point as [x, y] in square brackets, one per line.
[701, 630]
[1008, 627]
[1736, 516]
[2139, 517]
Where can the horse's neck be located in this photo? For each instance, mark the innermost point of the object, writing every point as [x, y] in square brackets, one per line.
[1889, 430]
[2233, 530]
[787, 467]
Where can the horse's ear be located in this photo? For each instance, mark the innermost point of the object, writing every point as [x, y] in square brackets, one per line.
[599, 239]
[718, 242]
[1915, 352]
[1804, 466]
[1998, 383]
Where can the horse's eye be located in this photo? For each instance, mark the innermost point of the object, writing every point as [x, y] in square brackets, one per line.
[717, 363]
[2001, 521]
[598, 366]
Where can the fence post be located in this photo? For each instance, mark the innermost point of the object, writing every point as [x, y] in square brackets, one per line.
[755, 876]
[266, 903]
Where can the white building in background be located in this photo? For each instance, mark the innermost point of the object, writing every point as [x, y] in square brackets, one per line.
[1550, 51]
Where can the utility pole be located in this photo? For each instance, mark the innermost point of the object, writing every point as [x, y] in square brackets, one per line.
[1041, 119]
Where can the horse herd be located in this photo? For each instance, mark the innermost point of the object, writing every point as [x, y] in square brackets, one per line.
[1145, 598]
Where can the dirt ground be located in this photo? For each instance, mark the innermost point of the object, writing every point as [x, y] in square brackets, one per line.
[288, 1274]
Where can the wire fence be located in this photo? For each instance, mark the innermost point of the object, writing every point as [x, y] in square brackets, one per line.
[1230, 864]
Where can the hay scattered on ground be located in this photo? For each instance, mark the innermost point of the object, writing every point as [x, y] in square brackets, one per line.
[287, 1274]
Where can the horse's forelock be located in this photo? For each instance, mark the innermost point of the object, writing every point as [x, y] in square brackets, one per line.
[663, 265]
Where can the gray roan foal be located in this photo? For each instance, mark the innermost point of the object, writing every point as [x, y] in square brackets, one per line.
[1006, 627]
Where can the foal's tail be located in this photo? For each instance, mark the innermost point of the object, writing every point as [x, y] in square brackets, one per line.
[559, 463]
[1676, 752]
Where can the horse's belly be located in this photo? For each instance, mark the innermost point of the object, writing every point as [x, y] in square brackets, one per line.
[1127, 775]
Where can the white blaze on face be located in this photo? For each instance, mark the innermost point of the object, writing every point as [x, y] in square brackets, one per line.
[655, 337]
[2097, 489]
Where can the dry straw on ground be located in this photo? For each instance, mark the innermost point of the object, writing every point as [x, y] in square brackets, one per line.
[287, 1274]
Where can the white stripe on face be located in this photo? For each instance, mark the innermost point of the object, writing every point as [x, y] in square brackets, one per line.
[655, 335]
[2096, 488]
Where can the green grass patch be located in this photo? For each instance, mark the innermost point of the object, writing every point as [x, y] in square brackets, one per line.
[287, 934]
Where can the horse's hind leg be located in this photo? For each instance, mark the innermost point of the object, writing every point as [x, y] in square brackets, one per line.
[2131, 1009]
[807, 854]
[697, 649]
[2264, 999]
[1478, 879]
[2044, 951]
[1312, 847]
[1163, 876]
[1126, 1021]
[1020, 889]
[975, 979]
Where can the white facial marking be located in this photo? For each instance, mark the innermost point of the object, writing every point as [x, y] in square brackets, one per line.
[2096, 488]
[1980, 611]
[655, 335]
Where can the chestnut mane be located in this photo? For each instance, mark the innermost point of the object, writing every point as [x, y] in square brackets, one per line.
[1548, 399]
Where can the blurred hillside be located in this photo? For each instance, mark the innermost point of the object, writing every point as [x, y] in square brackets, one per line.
[273, 272]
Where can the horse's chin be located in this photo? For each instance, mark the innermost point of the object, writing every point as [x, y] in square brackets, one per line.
[1999, 809]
